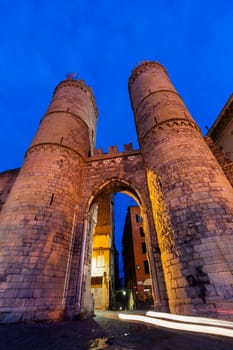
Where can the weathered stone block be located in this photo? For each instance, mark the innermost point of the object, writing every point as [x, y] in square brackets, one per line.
[25, 293]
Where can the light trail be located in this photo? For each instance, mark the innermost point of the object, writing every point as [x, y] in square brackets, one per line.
[226, 332]
[191, 319]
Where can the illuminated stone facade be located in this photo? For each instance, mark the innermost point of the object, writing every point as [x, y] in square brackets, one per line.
[50, 209]
[221, 131]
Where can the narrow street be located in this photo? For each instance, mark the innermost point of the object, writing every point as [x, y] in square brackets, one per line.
[104, 331]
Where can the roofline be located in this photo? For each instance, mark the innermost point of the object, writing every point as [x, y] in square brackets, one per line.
[222, 120]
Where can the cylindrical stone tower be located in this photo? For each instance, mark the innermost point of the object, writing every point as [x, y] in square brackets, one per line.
[191, 198]
[38, 220]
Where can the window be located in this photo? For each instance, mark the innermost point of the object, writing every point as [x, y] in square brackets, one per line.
[100, 261]
[146, 267]
[141, 232]
[143, 247]
[138, 218]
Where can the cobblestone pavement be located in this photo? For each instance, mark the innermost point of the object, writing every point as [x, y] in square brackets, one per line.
[105, 331]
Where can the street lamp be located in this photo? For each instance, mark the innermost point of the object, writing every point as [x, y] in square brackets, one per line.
[124, 298]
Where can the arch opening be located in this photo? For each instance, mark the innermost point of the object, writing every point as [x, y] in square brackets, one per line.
[118, 262]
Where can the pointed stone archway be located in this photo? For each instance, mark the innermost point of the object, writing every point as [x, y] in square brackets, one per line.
[105, 190]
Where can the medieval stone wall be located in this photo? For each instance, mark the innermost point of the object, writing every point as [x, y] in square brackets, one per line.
[7, 179]
[101, 168]
[225, 163]
[47, 221]
[38, 218]
[191, 198]
[107, 173]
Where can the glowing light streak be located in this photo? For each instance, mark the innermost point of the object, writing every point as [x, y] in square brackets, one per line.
[190, 319]
[179, 326]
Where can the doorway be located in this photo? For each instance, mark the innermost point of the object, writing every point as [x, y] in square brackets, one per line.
[118, 248]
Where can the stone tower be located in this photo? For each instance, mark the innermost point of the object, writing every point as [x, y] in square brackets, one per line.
[38, 220]
[192, 201]
[49, 210]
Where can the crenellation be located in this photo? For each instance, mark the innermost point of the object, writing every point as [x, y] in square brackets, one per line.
[128, 147]
[112, 150]
[114, 153]
[98, 151]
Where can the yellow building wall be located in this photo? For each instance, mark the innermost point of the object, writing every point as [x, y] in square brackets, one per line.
[101, 256]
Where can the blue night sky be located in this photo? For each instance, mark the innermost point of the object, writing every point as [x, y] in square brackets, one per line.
[103, 41]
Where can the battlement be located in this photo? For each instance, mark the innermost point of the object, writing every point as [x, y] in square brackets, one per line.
[113, 151]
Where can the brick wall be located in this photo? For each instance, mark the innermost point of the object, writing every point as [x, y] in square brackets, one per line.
[192, 200]
[38, 220]
[7, 179]
[225, 163]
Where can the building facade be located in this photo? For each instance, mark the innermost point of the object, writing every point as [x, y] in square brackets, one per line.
[103, 257]
[180, 180]
[138, 282]
[221, 132]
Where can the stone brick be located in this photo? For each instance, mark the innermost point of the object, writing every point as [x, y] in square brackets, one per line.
[24, 293]
[181, 293]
